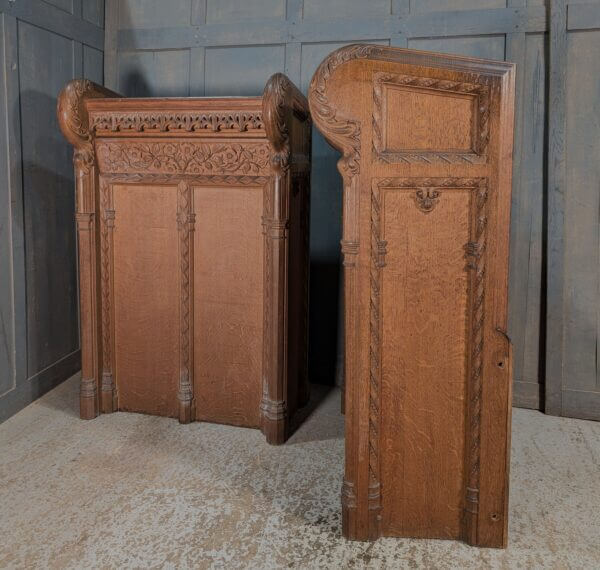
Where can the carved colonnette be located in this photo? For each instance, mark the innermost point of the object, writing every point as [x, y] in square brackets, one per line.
[178, 153]
[426, 144]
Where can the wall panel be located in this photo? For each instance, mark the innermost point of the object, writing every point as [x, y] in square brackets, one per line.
[251, 66]
[42, 46]
[46, 64]
[582, 246]
[220, 11]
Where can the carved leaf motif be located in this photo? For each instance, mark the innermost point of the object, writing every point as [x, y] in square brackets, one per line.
[183, 158]
[426, 199]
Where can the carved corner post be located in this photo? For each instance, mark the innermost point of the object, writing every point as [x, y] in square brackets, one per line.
[73, 121]
[185, 221]
[343, 133]
[275, 223]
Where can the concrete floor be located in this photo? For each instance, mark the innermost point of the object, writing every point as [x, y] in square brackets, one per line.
[133, 491]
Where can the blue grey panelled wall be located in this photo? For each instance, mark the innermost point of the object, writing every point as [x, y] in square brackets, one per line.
[218, 47]
[43, 44]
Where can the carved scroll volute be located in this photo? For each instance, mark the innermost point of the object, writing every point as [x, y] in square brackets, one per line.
[73, 121]
[343, 133]
[280, 100]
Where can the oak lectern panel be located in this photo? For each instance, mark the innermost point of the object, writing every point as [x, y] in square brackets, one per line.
[426, 142]
[192, 219]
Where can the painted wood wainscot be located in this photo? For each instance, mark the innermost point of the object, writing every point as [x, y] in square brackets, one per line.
[426, 166]
[192, 219]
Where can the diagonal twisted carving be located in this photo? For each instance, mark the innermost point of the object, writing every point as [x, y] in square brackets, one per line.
[185, 223]
[476, 87]
[108, 218]
[476, 250]
[378, 251]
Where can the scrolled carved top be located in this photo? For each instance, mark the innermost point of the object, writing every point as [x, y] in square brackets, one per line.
[72, 114]
[342, 132]
[281, 98]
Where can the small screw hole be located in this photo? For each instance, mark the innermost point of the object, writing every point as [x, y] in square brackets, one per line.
[500, 364]
[495, 517]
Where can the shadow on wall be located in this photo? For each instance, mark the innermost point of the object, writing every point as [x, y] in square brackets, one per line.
[134, 85]
[50, 235]
[325, 314]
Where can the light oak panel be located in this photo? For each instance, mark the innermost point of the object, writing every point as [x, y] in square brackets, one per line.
[424, 363]
[411, 125]
[228, 301]
[146, 296]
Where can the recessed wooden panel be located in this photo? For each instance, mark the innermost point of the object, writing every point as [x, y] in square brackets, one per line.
[93, 64]
[146, 296]
[228, 304]
[154, 13]
[424, 363]
[221, 11]
[251, 67]
[479, 46]
[418, 6]
[412, 124]
[318, 9]
[582, 279]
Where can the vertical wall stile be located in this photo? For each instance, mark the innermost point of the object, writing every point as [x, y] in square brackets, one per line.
[555, 239]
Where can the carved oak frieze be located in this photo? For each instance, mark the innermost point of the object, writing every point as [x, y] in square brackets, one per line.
[183, 157]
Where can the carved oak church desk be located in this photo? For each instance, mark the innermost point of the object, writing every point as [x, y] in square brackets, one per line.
[192, 219]
[426, 141]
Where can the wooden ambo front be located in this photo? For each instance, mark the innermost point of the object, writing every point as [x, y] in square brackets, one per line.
[192, 221]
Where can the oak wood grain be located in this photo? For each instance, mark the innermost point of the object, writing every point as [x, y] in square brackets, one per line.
[426, 142]
[186, 211]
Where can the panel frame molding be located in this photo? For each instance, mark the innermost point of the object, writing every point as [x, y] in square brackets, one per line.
[480, 133]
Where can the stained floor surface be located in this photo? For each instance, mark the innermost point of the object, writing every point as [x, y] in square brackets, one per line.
[134, 491]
